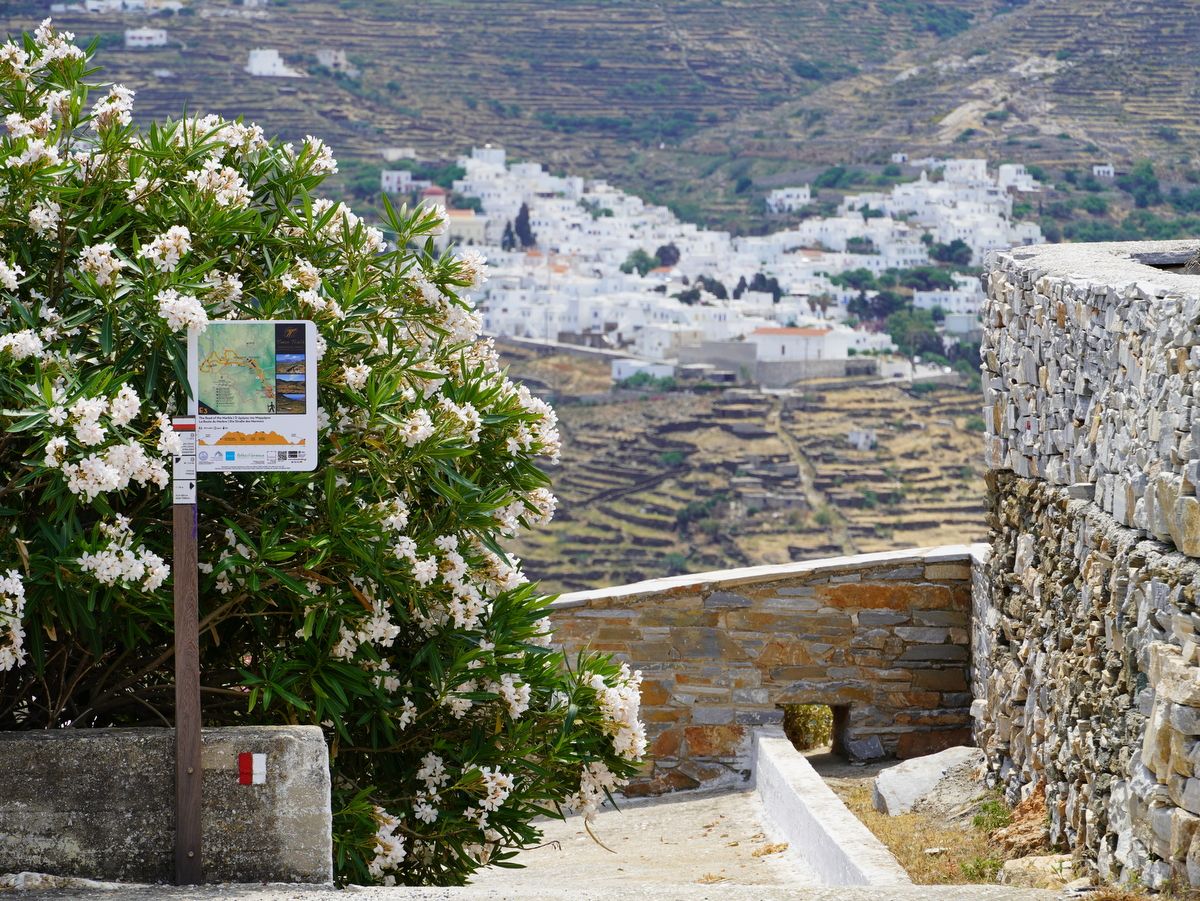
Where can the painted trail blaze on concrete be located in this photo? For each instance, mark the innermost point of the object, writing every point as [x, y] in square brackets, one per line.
[252, 768]
[882, 638]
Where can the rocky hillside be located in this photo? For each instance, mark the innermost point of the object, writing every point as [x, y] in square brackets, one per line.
[697, 102]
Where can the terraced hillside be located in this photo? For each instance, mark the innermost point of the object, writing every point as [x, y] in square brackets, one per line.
[684, 101]
[684, 482]
[1053, 82]
[440, 75]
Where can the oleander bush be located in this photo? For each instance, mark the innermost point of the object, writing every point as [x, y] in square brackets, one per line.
[808, 726]
[371, 597]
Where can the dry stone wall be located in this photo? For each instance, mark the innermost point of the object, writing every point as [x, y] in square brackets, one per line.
[1086, 616]
[1091, 363]
[881, 638]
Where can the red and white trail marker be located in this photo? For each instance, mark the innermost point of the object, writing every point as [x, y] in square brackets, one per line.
[252, 768]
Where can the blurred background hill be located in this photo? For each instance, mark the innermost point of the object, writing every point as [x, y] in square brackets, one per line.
[686, 103]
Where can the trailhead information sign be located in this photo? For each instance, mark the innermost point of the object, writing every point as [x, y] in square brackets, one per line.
[255, 388]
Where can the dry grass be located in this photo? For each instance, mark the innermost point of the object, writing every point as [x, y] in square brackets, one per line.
[776, 848]
[969, 855]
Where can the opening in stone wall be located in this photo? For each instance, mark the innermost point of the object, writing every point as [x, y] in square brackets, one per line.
[812, 727]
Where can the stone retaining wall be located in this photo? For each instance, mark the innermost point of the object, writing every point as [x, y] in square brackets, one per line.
[99, 803]
[882, 638]
[1086, 619]
[1091, 360]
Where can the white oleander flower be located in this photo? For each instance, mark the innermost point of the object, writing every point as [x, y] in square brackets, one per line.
[9, 274]
[388, 847]
[116, 108]
[356, 376]
[166, 250]
[43, 218]
[23, 344]
[417, 428]
[101, 261]
[222, 183]
[182, 311]
[12, 608]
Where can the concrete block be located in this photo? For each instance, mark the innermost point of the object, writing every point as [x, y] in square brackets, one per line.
[99, 803]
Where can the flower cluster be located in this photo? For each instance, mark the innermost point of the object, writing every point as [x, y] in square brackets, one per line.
[12, 608]
[119, 562]
[166, 250]
[620, 702]
[182, 311]
[223, 184]
[388, 847]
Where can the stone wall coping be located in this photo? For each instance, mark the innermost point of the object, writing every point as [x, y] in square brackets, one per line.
[726, 578]
[1115, 263]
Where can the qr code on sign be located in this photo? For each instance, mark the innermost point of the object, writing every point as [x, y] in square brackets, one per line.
[281, 455]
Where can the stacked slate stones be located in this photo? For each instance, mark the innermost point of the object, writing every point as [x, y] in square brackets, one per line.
[1087, 671]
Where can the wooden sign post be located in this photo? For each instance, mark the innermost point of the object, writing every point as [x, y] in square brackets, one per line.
[189, 774]
[252, 408]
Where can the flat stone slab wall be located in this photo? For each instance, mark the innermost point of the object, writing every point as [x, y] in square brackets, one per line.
[99, 803]
[1091, 365]
[883, 637]
[1086, 617]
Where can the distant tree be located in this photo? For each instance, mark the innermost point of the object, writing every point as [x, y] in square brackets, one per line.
[463, 202]
[521, 228]
[509, 239]
[639, 261]
[742, 185]
[1142, 184]
[668, 255]
[855, 279]
[957, 252]
[740, 289]
[806, 69]
[761, 282]
[713, 287]
[914, 332]
[820, 302]
[860, 306]
[689, 297]
[885, 303]
[926, 278]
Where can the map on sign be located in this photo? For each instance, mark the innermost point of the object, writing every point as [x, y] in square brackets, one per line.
[237, 368]
[254, 384]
